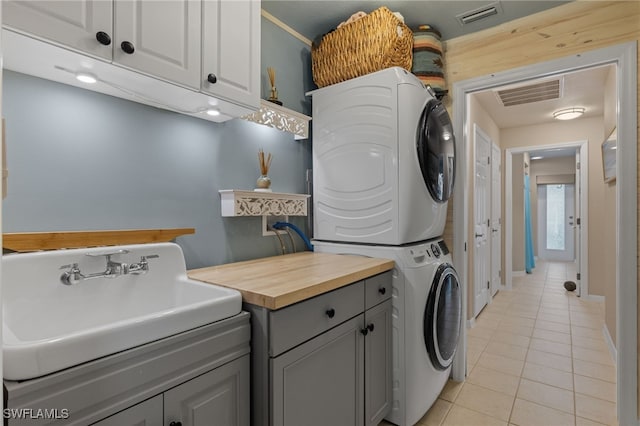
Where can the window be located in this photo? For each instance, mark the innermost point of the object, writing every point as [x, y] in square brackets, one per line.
[555, 217]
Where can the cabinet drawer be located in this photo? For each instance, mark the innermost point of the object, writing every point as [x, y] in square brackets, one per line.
[297, 323]
[377, 289]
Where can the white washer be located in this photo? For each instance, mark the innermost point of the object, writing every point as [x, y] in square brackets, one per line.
[427, 321]
[383, 160]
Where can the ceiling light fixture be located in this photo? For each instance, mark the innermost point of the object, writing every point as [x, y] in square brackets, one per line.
[568, 113]
[213, 112]
[538, 157]
[85, 77]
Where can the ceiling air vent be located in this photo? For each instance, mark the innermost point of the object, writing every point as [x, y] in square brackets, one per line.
[483, 12]
[550, 89]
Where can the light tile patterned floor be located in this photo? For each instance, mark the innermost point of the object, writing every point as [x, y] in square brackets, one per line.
[536, 356]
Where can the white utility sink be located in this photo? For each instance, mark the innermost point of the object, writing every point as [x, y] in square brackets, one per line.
[49, 325]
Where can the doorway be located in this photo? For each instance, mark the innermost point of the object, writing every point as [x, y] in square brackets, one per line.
[556, 222]
[624, 58]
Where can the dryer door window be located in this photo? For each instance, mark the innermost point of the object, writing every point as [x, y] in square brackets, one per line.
[436, 150]
[442, 317]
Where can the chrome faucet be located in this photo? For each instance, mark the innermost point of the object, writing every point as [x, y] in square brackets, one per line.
[141, 267]
[113, 269]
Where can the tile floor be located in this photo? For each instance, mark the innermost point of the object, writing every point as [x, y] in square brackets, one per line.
[536, 356]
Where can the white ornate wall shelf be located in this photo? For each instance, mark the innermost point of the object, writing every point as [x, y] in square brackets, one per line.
[281, 118]
[253, 203]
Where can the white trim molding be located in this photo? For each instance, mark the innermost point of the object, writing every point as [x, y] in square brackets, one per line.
[624, 56]
[609, 341]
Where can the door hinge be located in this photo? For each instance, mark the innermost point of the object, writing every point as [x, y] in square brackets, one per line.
[578, 166]
[488, 284]
[488, 222]
[488, 160]
[578, 276]
[577, 221]
[465, 246]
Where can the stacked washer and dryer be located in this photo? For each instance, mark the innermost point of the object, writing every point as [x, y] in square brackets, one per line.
[383, 165]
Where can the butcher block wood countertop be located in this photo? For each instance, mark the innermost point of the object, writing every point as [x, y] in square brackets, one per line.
[279, 281]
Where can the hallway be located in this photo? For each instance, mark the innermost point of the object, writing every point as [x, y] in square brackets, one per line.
[536, 356]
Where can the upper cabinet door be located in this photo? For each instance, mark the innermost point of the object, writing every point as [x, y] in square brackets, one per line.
[231, 50]
[159, 37]
[72, 23]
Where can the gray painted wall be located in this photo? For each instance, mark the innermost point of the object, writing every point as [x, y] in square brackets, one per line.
[291, 60]
[80, 160]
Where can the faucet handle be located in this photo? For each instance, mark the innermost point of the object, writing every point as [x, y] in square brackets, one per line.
[69, 266]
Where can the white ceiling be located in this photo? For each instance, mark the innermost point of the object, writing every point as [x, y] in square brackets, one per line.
[583, 88]
[313, 18]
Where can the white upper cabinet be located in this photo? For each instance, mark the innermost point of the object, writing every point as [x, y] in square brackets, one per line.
[73, 23]
[231, 50]
[161, 38]
[209, 46]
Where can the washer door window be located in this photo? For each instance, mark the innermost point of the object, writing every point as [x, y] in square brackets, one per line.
[436, 150]
[442, 317]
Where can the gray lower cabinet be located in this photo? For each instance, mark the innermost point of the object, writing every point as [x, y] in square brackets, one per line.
[147, 413]
[321, 382]
[325, 360]
[199, 377]
[215, 398]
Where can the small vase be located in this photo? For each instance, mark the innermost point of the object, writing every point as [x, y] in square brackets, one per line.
[263, 183]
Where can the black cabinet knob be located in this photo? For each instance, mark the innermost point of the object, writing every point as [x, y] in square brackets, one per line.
[364, 331]
[127, 47]
[331, 313]
[370, 327]
[211, 78]
[103, 38]
[175, 424]
[382, 290]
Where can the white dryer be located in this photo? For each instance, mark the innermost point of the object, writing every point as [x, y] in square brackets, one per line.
[427, 321]
[383, 160]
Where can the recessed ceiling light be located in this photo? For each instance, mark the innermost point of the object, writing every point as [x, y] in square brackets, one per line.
[213, 112]
[568, 113]
[85, 77]
[537, 157]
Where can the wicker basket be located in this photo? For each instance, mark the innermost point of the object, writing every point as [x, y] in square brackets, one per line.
[372, 43]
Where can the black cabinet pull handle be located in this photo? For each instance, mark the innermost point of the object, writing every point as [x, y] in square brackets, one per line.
[364, 331]
[128, 48]
[331, 313]
[211, 78]
[103, 38]
[370, 327]
[382, 290]
[175, 424]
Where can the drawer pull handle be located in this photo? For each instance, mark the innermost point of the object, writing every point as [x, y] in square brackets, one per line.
[331, 313]
[103, 38]
[175, 424]
[382, 290]
[370, 327]
[127, 47]
[364, 331]
[211, 78]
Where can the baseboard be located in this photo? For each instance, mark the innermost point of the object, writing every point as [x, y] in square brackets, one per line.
[594, 298]
[471, 323]
[518, 273]
[609, 341]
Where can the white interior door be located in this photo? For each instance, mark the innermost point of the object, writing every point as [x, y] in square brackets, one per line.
[556, 219]
[576, 223]
[482, 201]
[496, 219]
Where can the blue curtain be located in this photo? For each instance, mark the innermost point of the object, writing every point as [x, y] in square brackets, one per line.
[529, 261]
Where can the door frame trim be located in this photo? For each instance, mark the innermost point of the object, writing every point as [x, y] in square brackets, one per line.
[584, 207]
[624, 56]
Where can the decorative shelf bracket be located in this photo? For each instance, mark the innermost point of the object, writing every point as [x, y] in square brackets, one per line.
[253, 203]
[281, 118]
